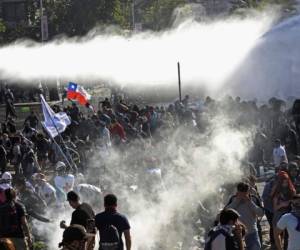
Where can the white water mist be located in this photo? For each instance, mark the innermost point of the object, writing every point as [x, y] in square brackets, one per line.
[209, 53]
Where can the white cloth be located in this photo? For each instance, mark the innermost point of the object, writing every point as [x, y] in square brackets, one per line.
[47, 192]
[54, 121]
[88, 190]
[65, 183]
[279, 155]
[289, 222]
[5, 186]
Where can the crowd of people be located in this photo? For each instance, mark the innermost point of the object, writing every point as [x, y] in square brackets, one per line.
[39, 173]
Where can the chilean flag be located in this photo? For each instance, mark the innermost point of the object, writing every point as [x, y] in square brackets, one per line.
[78, 93]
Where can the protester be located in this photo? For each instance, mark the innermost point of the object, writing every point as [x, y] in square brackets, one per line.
[9, 101]
[3, 157]
[268, 206]
[63, 181]
[32, 120]
[249, 209]
[13, 223]
[282, 193]
[228, 235]
[279, 154]
[291, 223]
[35, 205]
[83, 213]
[109, 220]
[45, 190]
[75, 237]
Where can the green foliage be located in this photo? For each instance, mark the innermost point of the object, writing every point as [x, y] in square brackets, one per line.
[157, 15]
[70, 17]
[39, 246]
[287, 6]
[2, 26]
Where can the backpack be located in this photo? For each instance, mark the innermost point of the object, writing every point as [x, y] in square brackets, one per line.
[8, 219]
[254, 198]
[110, 238]
[230, 243]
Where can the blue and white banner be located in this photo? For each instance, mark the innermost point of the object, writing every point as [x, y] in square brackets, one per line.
[54, 122]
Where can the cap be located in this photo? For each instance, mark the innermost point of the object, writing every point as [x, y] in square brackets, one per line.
[6, 176]
[60, 166]
[75, 232]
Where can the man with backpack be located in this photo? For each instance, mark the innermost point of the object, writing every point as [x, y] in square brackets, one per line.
[248, 206]
[228, 235]
[112, 225]
[13, 222]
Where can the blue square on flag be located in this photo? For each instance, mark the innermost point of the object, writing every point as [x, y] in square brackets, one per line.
[72, 86]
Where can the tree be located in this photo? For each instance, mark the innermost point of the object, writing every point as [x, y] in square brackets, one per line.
[69, 17]
[289, 7]
[157, 14]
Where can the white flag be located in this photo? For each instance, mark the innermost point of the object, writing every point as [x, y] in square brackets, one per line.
[54, 122]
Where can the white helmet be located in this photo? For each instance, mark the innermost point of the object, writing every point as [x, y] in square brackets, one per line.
[6, 176]
[60, 166]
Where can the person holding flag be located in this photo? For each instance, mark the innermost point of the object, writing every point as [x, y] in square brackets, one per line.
[55, 124]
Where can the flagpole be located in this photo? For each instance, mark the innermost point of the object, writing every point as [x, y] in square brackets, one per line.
[60, 150]
[62, 140]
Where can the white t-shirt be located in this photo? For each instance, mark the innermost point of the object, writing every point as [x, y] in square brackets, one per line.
[88, 190]
[290, 222]
[279, 155]
[46, 192]
[65, 183]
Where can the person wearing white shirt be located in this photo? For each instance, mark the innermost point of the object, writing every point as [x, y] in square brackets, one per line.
[45, 190]
[291, 223]
[63, 181]
[105, 135]
[279, 154]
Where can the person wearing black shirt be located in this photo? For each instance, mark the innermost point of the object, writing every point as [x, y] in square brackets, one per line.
[42, 148]
[83, 211]
[3, 157]
[110, 217]
[13, 222]
[9, 101]
[32, 120]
